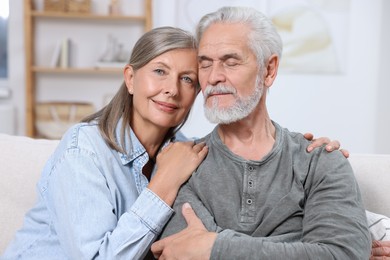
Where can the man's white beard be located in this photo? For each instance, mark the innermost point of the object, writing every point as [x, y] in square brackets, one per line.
[239, 110]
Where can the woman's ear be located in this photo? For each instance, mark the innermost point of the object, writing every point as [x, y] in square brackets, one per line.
[128, 74]
[271, 70]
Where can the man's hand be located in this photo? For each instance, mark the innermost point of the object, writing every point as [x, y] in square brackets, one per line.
[193, 242]
[330, 145]
[380, 250]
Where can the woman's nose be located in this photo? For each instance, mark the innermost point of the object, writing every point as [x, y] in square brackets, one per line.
[172, 88]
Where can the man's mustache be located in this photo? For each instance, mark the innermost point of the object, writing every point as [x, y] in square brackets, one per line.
[219, 89]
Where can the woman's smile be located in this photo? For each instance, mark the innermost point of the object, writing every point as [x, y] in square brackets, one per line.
[166, 106]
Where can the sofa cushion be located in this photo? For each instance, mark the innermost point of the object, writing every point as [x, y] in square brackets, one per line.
[379, 226]
[21, 162]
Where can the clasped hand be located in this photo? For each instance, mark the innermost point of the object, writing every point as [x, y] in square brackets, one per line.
[380, 250]
[193, 242]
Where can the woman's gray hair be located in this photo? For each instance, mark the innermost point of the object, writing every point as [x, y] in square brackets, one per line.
[159, 41]
[152, 44]
[264, 40]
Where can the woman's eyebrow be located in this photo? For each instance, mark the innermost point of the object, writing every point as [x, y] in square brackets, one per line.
[162, 64]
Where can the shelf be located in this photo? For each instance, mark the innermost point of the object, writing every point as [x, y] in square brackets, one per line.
[80, 71]
[70, 19]
[86, 16]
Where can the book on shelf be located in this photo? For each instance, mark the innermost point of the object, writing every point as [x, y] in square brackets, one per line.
[61, 54]
[65, 53]
[55, 58]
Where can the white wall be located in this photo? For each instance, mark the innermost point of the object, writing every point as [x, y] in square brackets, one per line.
[383, 95]
[341, 106]
[351, 107]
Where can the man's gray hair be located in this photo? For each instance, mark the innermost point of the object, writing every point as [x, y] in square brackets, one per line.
[264, 40]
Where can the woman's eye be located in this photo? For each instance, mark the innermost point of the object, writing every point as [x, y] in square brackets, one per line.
[187, 79]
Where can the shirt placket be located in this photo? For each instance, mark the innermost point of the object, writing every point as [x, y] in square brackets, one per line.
[140, 180]
[248, 194]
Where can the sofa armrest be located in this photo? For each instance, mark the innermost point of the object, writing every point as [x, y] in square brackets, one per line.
[372, 172]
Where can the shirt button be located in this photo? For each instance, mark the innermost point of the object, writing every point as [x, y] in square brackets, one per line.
[250, 183]
[251, 168]
[249, 201]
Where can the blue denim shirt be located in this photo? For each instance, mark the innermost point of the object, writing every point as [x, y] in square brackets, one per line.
[92, 202]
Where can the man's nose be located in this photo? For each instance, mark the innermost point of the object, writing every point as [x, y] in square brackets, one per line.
[217, 75]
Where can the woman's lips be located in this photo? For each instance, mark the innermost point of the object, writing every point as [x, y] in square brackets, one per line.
[164, 106]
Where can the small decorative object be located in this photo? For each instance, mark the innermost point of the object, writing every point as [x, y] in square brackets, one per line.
[120, 55]
[54, 118]
[113, 8]
[54, 5]
[109, 54]
[78, 6]
[114, 56]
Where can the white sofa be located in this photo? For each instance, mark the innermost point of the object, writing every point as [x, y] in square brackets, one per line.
[22, 158]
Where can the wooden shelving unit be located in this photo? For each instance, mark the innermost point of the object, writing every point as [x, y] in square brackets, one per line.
[30, 17]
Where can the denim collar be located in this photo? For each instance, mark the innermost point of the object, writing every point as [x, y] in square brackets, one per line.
[133, 147]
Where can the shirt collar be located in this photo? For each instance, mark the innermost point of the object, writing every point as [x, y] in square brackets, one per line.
[133, 147]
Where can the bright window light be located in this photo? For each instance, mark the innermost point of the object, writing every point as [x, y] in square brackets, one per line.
[4, 12]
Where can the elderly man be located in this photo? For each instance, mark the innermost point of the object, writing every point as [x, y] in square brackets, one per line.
[259, 194]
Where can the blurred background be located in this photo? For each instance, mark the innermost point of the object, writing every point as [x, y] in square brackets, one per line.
[333, 81]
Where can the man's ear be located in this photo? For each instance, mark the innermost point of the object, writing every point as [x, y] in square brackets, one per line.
[128, 74]
[271, 70]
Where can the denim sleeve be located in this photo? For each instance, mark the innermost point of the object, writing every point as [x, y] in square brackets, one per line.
[83, 212]
[334, 222]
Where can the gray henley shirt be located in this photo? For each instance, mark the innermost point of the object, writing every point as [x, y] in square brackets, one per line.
[291, 204]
